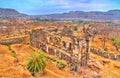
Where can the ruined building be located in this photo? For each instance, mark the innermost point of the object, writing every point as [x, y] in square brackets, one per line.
[61, 43]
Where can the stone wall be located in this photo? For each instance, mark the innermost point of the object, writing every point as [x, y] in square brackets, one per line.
[105, 54]
[12, 40]
[65, 47]
[67, 44]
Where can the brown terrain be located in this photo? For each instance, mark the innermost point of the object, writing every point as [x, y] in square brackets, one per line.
[16, 28]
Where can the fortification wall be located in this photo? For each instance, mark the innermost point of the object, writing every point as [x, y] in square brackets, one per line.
[105, 54]
[12, 40]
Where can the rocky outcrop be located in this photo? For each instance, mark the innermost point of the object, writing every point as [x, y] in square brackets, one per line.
[12, 41]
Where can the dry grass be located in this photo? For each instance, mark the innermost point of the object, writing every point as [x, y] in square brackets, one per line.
[9, 69]
[111, 69]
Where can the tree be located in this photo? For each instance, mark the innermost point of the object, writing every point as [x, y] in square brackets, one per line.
[75, 28]
[36, 64]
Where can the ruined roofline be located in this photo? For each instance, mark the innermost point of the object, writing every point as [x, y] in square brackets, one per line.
[52, 33]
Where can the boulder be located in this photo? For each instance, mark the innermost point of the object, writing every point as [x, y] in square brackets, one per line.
[92, 74]
[118, 57]
[112, 56]
[105, 55]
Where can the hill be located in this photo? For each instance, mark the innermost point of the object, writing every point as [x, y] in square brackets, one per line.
[77, 15]
[10, 13]
[72, 15]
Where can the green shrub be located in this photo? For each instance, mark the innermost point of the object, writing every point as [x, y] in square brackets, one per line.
[33, 30]
[106, 49]
[32, 48]
[49, 58]
[75, 28]
[54, 60]
[116, 41]
[14, 55]
[20, 33]
[113, 39]
[36, 64]
[57, 62]
[62, 64]
[9, 47]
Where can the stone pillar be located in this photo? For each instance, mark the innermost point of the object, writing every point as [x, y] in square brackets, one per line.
[88, 41]
[75, 63]
[83, 59]
[46, 49]
[83, 56]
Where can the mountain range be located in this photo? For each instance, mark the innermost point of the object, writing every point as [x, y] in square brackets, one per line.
[72, 15]
[10, 13]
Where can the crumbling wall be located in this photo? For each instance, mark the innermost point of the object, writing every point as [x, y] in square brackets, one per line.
[64, 47]
[12, 41]
[105, 54]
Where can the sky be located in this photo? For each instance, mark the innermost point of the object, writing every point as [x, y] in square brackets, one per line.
[36, 7]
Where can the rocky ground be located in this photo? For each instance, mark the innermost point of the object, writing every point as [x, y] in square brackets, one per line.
[98, 65]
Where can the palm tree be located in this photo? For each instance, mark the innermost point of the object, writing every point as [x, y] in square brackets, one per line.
[36, 64]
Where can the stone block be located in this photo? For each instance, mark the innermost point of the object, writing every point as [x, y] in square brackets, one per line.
[112, 56]
[118, 57]
[105, 55]
[51, 51]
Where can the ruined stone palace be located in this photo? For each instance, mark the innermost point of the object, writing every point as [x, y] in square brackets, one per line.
[61, 43]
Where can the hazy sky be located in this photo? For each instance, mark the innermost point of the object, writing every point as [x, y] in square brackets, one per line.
[59, 6]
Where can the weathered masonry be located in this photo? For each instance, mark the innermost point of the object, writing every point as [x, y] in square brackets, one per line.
[61, 43]
[12, 40]
[106, 54]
